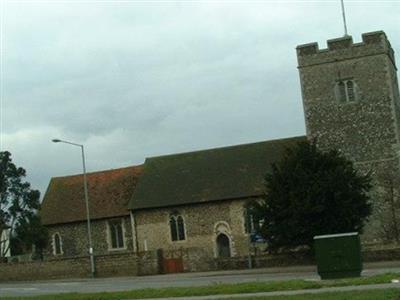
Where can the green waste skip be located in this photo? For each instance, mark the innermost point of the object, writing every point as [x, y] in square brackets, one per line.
[338, 255]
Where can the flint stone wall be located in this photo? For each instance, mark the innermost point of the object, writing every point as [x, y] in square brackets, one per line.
[203, 222]
[74, 238]
[74, 267]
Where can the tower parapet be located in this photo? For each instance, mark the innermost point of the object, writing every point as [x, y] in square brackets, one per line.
[373, 43]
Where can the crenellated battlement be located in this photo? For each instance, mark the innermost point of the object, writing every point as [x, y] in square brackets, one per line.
[344, 48]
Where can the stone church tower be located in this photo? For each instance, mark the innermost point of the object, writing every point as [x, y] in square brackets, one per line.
[351, 103]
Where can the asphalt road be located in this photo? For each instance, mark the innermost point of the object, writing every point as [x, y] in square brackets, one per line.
[36, 288]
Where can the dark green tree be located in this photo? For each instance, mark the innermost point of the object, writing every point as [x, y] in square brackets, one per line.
[310, 193]
[19, 205]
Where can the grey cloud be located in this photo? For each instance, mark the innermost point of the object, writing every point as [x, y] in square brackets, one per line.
[132, 80]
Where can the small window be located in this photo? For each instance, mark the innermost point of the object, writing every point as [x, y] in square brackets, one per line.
[181, 228]
[342, 91]
[350, 91]
[57, 244]
[173, 226]
[116, 234]
[251, 222]
[346, 91]
[177, 228]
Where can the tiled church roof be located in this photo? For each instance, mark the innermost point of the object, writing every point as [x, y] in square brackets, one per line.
[208, 175]
[109, 193]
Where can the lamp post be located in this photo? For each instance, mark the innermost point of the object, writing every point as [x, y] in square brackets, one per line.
[92, 263]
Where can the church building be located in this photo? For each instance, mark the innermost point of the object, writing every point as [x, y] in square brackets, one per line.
[197, 200]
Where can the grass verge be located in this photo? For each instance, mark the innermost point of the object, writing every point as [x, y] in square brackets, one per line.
[223, 289]
[389, 294]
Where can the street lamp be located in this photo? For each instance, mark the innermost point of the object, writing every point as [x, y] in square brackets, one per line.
[92, 263]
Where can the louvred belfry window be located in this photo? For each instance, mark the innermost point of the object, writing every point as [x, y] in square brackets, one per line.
[346, 91]
[350, 90]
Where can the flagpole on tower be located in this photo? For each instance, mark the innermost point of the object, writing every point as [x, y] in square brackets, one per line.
[344, 19]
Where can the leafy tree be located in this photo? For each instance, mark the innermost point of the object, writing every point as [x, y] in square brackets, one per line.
[19, 205]
[310, 193]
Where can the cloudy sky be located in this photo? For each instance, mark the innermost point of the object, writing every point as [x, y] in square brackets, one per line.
[132, 79]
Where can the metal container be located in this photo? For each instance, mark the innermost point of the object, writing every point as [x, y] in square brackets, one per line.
[338, 255]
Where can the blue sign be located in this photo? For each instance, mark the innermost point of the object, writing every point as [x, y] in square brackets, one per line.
[257, 238]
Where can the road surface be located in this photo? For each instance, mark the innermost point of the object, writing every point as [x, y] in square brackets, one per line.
[19, 289]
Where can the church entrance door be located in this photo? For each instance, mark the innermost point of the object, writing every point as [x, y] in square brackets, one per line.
[223, 246]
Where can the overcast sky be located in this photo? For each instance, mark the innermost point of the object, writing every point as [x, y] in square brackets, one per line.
[132, 79]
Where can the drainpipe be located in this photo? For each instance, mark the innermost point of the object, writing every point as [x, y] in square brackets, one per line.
[134, 233]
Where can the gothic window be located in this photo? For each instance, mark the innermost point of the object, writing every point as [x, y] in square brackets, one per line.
[346, 91]
[173, 228]
[177, 228]
[181, 228]
[342, 91]
[251, 222]
[116, 234]
[350, 91]
[57, 244]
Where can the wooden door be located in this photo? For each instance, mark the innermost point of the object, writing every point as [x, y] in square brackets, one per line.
[173, 265]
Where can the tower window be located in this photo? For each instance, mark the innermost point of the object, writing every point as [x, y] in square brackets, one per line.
[177, 227]
[345, 91]
[350, 90]
[342, 91]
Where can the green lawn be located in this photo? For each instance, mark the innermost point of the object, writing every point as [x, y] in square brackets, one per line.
[389, 294]
[221, 289]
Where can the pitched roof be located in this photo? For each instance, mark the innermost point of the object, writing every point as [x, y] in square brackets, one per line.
[109, 193]
[208, 175]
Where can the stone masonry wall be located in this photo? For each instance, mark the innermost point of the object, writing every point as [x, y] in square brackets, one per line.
[149, 263]
[365, 130]
[75, 238]
[194, 259]
[121, 264]
[202, 224]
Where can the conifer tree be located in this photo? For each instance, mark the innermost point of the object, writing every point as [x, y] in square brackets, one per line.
[310, 193]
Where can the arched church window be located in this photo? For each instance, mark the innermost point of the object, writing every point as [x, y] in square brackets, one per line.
[57, 244]
[116, 234]
[181, 228]
[346, 91]
[177, 228]
[173, 226]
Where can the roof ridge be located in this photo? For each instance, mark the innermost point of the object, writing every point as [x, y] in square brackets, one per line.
[226, 147]
[98, 172]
